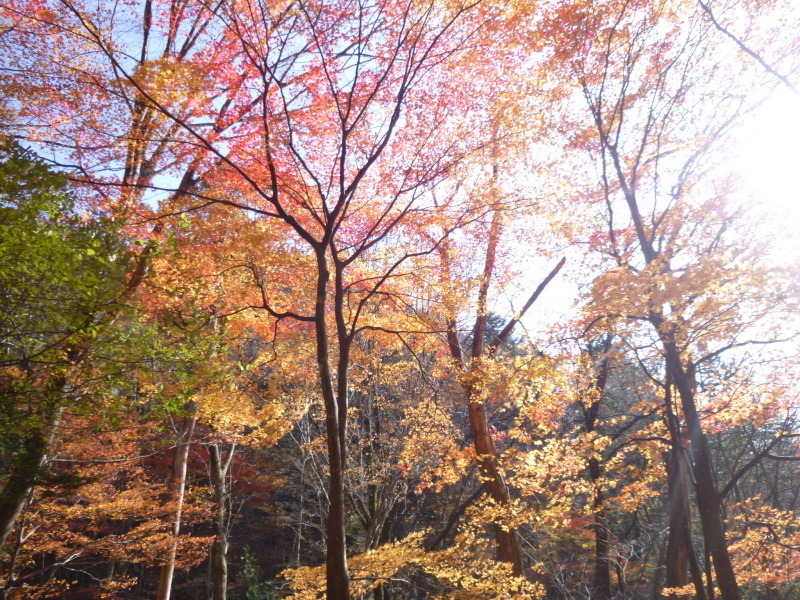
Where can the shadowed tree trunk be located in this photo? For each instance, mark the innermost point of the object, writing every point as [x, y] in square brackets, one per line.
[30, 459]
[602, 562]
[680, 558]
[219, 549]
[708, 499]
[601, 584]
[35, 444]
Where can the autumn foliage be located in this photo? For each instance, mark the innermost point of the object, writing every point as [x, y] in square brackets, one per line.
[393, 299]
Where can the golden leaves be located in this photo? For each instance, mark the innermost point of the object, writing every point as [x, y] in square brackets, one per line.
[765, 546]
[367, 570]
[467, 570]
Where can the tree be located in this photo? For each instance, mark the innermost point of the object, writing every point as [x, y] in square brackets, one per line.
[346, 189]
[104, 506]
[473, 382]
[650, 136]
[315, 134]
[61, 284]
[600, 357]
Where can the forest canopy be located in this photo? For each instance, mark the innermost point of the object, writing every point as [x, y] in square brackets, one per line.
[395, 299]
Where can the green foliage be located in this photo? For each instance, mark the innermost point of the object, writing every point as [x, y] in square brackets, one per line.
[252, 585]
[61, 276]
[59, 270]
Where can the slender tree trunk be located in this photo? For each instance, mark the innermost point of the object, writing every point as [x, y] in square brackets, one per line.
[602, 563]
[694, 566]
[298, 546]
[656, 584]
[27, 465]
[677, 556]
[507, 539]
[180, 464]
[509, 549]
[709, 578]
[219, 549]
[437, 542]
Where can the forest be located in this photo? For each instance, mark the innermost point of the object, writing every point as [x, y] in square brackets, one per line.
[395, 299]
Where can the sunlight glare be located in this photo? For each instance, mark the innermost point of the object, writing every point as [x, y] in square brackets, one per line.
[769, 156]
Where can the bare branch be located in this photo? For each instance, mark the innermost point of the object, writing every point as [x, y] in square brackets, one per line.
[746, 49]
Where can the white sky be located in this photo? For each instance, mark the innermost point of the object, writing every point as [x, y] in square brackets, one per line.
[769, 155]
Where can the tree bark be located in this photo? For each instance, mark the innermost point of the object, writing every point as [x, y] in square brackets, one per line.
[337, 576]
[602, 564]
[676, 559]
[708, 500]
[680, 559]
[31, 457]
[506, 537]
[219, 549]
[180, 464]
[601, 584]
[28, 463]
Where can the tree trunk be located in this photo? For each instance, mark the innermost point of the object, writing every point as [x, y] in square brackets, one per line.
[656, 584]
[507, 538]
[30, 459]
[219, 549]
[708, 501]
[180, 464]
[677, 556]
[681, 559]
[27, 465]
[509, 549]
[602, 564]
[336, 573]
[33, 449]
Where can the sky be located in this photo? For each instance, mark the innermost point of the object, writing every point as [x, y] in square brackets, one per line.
[769, 155]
